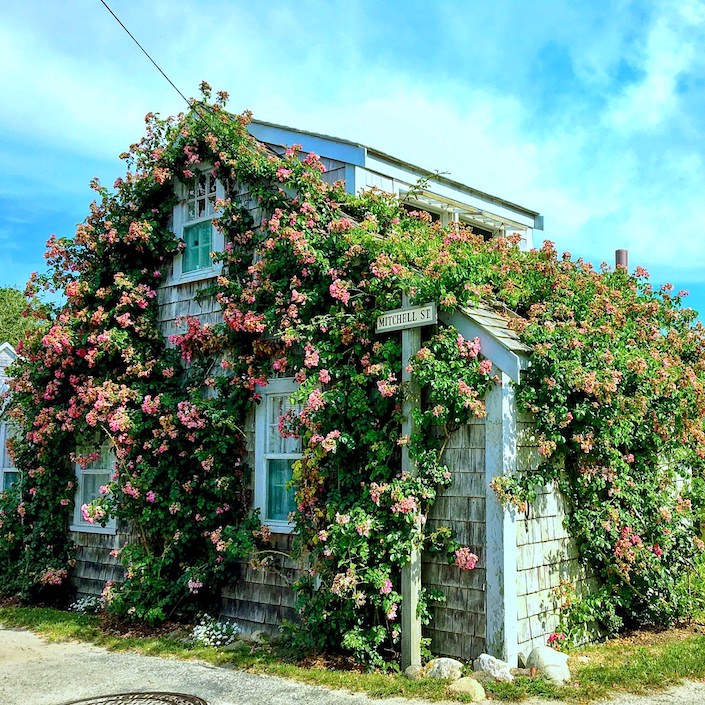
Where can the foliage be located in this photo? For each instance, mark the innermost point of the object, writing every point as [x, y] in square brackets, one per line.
[88, 604]
[14, 325]
[615, 386]
[212, 632]
[641, 663]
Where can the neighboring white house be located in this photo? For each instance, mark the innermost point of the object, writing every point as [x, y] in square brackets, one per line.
[8, 473]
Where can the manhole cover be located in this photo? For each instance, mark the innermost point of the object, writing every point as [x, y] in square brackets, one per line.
[142, 699]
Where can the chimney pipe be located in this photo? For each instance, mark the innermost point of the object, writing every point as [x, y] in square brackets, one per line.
[621, 258]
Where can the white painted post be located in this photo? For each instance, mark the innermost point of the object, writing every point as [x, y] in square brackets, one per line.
[411, 572]
[409, 320]
[502, 632]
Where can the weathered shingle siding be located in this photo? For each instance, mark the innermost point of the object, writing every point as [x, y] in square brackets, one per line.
[95, 565]
[458, 625]
[545, 553]
[263, 599]
[176, 301]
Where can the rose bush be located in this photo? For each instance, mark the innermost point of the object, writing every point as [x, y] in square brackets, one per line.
[615, 386]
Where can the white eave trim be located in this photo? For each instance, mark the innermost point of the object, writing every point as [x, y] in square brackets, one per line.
[6, 347]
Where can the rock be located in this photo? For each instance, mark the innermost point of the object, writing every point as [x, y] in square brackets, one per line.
[521, 659]
[516, 672]
[551, 663]
[414, 673]
[498, 669]
[259, 636]
[468, 686]
[483, 677]
[232, 646]
[444, 668]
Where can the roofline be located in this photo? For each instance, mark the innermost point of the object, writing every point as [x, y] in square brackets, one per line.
[509, 361]
[408, 165]
[6, 346]
[310, 134]
[455, 184]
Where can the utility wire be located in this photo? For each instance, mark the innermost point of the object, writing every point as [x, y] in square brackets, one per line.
[196, 106]
[144, 51]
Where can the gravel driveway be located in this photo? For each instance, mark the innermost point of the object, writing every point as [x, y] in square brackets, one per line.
[33, 672]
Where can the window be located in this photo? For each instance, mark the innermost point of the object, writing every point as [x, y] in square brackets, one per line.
[199, 209]
[275, 456]
[89, 480]
[8, 473]
[193, 223]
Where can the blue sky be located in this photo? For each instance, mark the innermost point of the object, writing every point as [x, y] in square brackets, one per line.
[592, 113]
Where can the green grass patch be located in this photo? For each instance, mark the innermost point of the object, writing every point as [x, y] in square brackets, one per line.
[642, 662]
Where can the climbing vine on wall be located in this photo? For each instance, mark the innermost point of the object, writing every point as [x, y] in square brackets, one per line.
[615, 385]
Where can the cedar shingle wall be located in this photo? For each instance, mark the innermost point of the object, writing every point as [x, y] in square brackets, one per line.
[545, 553]
[458, 625]
[263, 599]
[94, 564]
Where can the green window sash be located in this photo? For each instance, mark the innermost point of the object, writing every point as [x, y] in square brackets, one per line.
[280, 500]
[197, 254]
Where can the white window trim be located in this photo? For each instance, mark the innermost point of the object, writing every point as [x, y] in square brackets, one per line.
[4, 435]
[180, 222]
[79, 524]
[284, 385]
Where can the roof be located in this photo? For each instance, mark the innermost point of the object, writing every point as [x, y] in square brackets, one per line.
[357, 153]
[497, 325]
[498, 341]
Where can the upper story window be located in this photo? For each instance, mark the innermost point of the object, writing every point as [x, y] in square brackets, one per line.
[8, 472]
[90, 479]
[275, 456]
[193, 223]
[198, 229]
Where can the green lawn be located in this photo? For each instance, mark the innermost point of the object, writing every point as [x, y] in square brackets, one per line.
[641, 662]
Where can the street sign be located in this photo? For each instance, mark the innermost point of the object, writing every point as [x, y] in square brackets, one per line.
[404, 318]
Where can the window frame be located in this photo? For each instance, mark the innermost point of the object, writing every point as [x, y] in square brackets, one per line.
[284, 386]
[181, 221]
[78, 523]
[10, 468]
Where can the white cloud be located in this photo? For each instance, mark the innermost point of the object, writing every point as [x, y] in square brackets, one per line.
[672, 49]
[622, 179]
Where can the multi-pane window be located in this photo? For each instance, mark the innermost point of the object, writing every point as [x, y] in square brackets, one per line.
[275, 456]
[8, 472]
[198, 212]
[89, 480]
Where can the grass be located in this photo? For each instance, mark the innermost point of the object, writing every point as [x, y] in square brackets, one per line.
[637, 663]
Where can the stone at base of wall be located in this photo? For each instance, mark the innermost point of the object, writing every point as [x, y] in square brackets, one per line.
[468, 686]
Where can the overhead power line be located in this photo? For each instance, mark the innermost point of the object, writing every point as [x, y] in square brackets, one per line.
[146, 53]
[198, 108]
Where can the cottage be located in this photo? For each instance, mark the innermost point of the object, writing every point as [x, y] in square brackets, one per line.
[507, 604]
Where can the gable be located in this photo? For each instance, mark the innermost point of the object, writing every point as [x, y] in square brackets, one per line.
[498, 341]
[7, 357]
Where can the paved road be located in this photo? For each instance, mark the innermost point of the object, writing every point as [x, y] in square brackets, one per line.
[33, 672]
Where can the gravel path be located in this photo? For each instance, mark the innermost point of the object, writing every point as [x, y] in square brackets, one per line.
[33, 672]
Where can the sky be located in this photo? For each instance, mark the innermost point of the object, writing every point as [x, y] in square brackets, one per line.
[592, 113]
